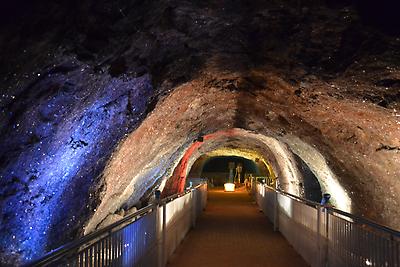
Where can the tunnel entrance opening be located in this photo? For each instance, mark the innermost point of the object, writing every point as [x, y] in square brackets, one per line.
[217, 171]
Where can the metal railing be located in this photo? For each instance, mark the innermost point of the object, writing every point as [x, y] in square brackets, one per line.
[325, 236]
[146, 238]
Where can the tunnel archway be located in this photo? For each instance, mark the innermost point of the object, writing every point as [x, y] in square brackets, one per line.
[278, 155]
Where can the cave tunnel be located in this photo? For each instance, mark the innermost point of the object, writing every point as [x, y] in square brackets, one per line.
[103, 104]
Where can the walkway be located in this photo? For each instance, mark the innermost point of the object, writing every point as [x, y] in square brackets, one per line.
[232, 232]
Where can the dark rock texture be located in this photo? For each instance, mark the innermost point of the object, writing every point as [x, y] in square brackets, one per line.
[57, 135]
[79, 77]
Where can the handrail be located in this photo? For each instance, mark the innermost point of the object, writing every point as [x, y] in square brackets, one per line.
[76, 244]
[175, 196]
[355, 218]
[65, 249]
[326, 236]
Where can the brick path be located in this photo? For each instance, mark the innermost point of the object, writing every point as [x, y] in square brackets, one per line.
[232, 232]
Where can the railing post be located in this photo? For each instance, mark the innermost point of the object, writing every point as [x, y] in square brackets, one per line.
[326, 237]
[276, 212]
[320, 257]
[161, 229]
[164, 235]
[194, 206]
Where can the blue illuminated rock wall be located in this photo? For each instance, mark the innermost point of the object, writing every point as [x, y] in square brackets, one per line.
[56, 136]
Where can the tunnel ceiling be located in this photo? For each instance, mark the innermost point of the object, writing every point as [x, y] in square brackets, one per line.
[102, 102]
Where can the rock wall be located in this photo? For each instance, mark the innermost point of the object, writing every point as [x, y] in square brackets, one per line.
[58, 135]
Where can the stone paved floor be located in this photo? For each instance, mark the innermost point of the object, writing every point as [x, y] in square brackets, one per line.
[233, 232]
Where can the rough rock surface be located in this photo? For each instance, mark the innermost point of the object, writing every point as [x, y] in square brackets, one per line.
[79, 77]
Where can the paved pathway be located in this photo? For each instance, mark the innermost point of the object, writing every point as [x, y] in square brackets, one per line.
[233, 232]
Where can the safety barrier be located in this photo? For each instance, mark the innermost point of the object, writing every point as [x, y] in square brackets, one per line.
[145, 238]
[325, 236]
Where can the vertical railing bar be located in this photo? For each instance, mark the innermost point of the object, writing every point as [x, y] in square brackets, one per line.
[99, 252]
[110, 245]
[374, 251]
[164, 234]
[341, 234]
[80, 259]
[91, 256]
[334, 232]
[352, 244]
[368, 253]
[107, 255]
[319, 236]
[387, 249]
[327, 235]
[364, 253]
[86, 258]
[349, 250]
[397, 256]
[392, 245]
[101, 256]
[380, 247]
[95, 248]
[109, 252]
[276, 212]
[116, 250]
[115, 259]
[127, 244]
[99, 262]
[121, 246]
[134, 244]
[371, 252]
[112, 249]
[105, 251]
[359, 241]
[137, 244]
[344, 235]
[380, 251]
[116, 246]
